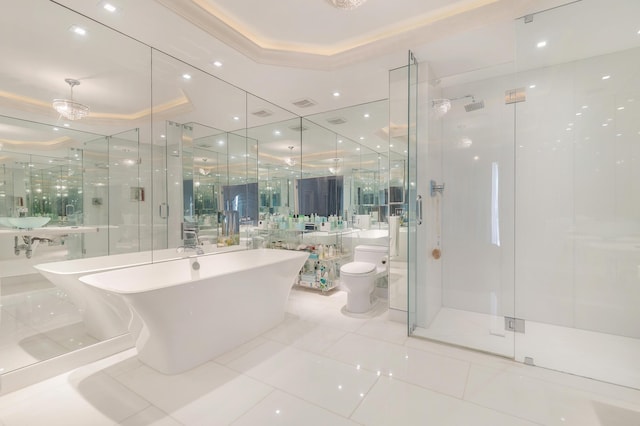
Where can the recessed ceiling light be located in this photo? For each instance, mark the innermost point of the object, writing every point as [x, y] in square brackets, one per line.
[109, 7]
[217, 64]
[277, 132]
[186, 76]
[358, 149]
[339, 140]
[336, 94]
[67, 125]
[361, 138]
[220, 142]
[236, 118]
[578, 114]
[585, 106]
[606, 77]
[78, 30]
[55, 129]
[532, 86]
[163, 136]
[366, 115]
[620, 108]
[541, 44]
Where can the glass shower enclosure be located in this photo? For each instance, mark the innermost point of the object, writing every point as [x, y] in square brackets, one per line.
[537, 226]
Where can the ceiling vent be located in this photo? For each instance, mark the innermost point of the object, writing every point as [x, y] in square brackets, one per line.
[336, 120]
[304, 103]
[299, 128]
[262, 113]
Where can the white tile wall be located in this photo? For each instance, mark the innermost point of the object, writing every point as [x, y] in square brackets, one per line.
[577, 232]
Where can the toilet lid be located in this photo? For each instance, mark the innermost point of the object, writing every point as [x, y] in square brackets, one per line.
[358, 268]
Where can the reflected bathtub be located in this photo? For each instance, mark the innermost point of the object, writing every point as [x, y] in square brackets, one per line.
[191, 314]
[105, 316]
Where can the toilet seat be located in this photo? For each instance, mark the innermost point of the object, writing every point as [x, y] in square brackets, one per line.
[357, 268]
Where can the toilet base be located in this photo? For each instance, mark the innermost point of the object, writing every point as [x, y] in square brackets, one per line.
[378, 308]
[360, 304]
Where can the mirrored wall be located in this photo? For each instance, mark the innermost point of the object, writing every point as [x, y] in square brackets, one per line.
[164, 144]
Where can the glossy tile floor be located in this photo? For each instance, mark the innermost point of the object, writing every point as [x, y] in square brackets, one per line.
[321, 367]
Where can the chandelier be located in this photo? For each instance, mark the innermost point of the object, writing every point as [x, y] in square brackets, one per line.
[68, 108]
[336, 167]
[346, 4]
[291, 161]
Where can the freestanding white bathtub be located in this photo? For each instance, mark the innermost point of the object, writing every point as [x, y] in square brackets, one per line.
[191, 315]
[104, 315]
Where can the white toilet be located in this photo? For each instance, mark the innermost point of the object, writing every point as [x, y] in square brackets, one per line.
[358, 278]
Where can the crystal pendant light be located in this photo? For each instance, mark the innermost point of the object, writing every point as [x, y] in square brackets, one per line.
[290, 160]
[346, 4]
[68, 108]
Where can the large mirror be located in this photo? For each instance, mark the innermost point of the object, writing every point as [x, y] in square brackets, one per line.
[163, 144]
[72, 186]
[352, 144]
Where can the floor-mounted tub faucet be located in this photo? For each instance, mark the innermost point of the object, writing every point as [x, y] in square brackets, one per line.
[190, 238]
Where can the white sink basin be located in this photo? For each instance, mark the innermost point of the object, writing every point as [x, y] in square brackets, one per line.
[28, 222]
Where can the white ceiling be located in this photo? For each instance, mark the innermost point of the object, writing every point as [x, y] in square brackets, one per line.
[302, 49]
[309, 49]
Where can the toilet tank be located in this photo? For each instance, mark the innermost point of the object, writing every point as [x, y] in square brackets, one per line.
[371, 254]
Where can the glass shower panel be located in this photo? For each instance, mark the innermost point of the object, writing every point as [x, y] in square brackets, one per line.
[468, 295]
[578, 221]
[414, 201]
[96, 196]
[126, 196]
[205, 173]
[401, 291]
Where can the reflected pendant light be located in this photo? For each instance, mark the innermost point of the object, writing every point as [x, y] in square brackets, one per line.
[336, 167]
[290, 160]
[346, 4]
[68, 108]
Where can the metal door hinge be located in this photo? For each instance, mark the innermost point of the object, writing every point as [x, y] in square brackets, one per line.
[514, 324]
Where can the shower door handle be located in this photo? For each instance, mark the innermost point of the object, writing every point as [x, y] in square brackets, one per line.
[163, 210]
[419, 209]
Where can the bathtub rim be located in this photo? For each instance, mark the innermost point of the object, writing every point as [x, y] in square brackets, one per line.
[93, 280]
